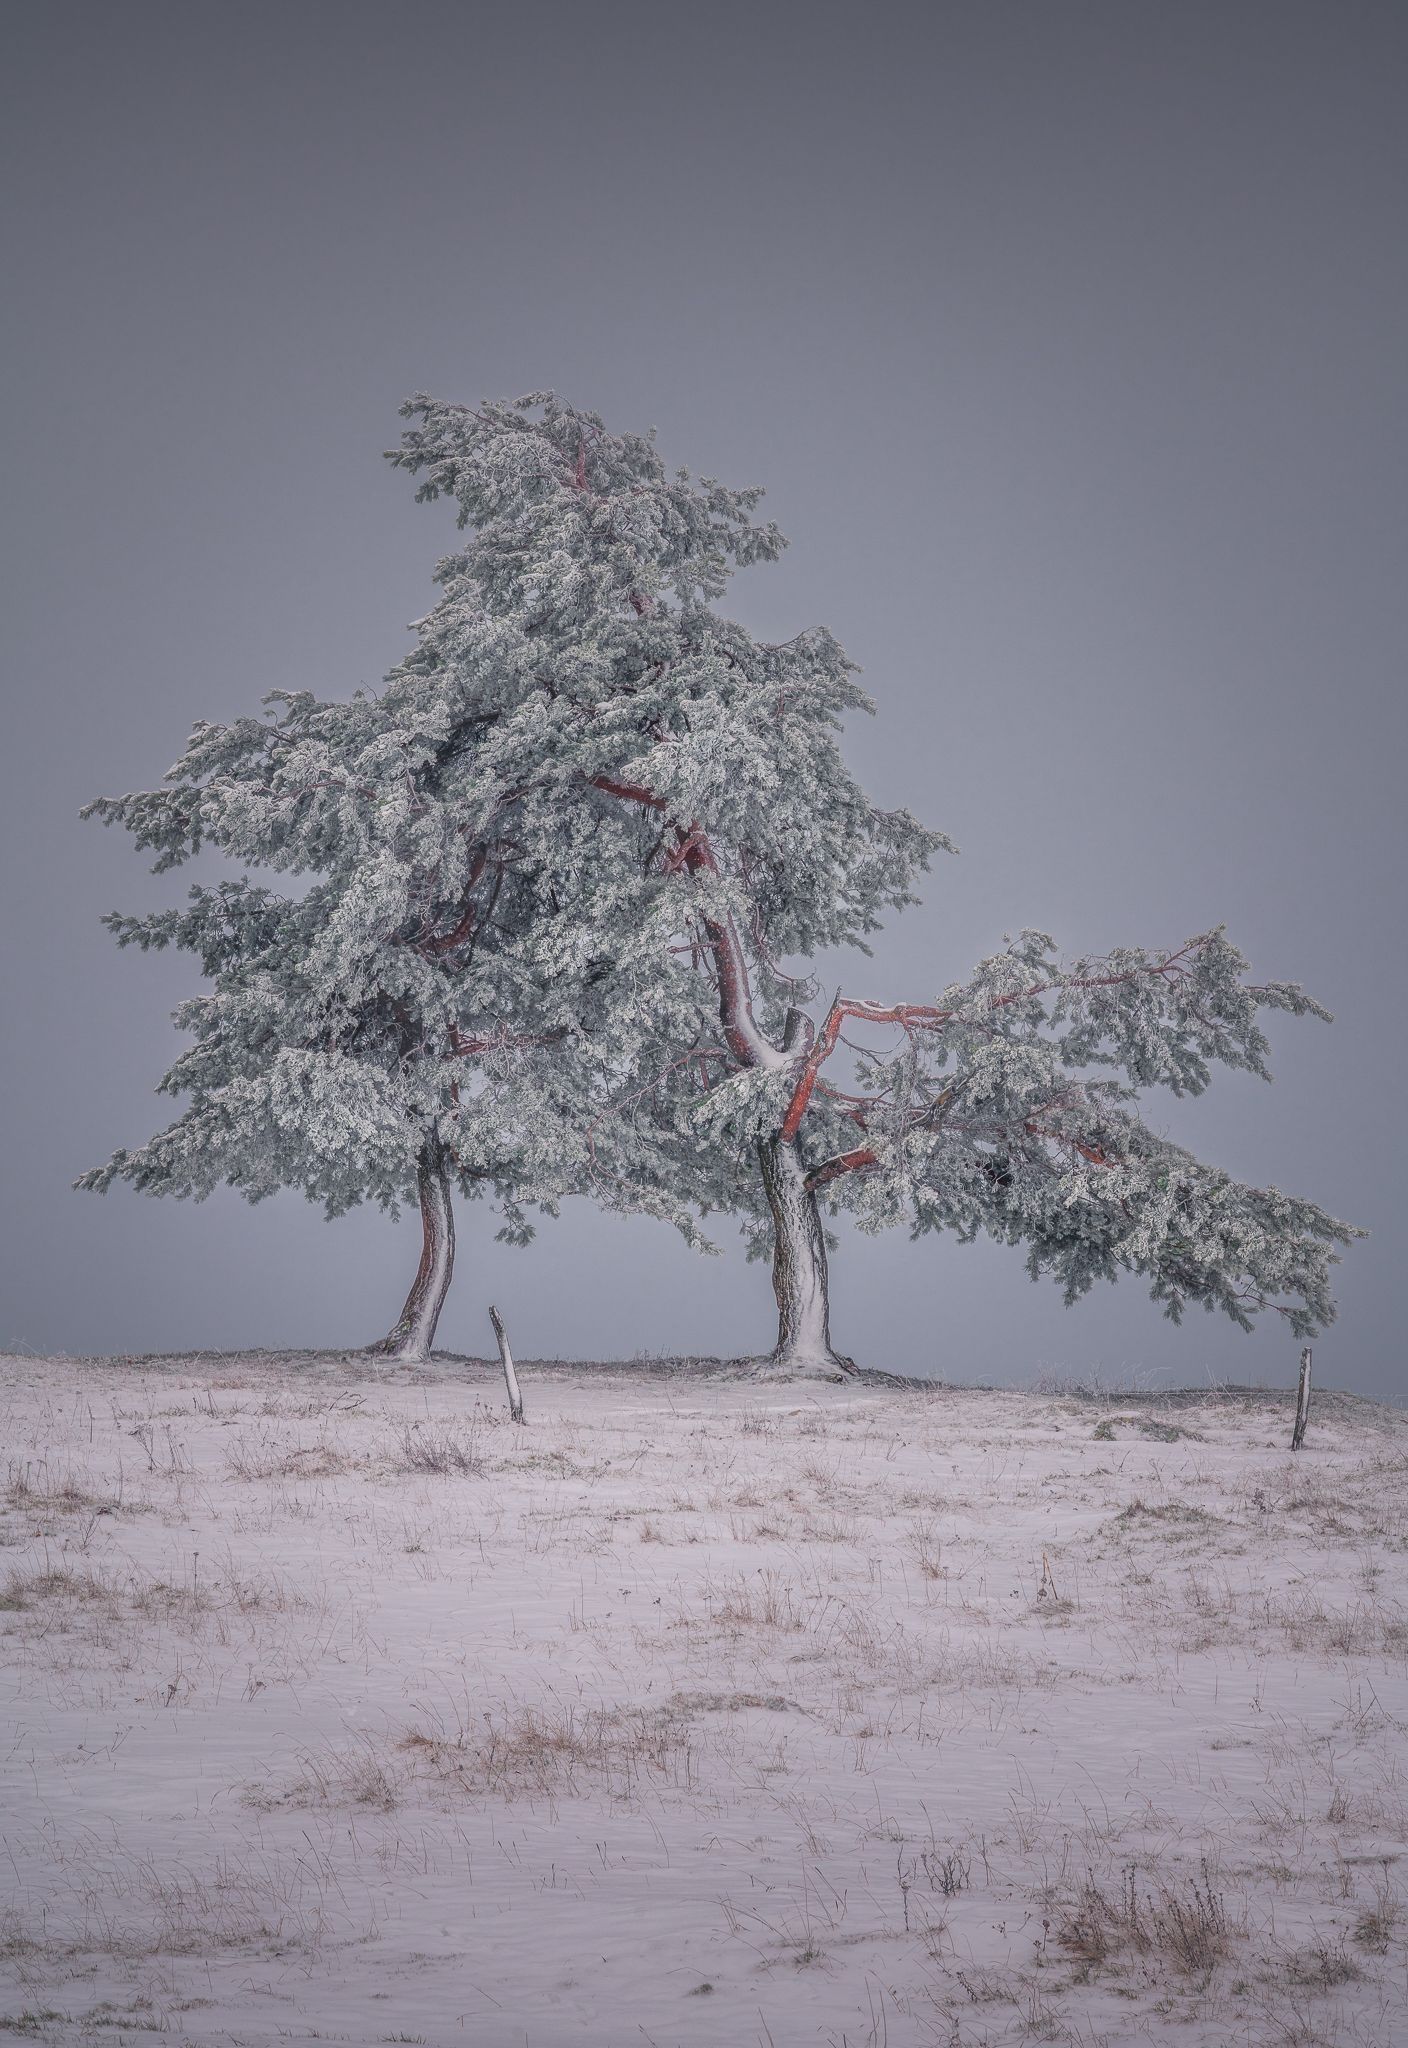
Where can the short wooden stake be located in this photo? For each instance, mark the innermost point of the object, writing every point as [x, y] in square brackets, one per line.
[515, 1398]
[1302, 1401]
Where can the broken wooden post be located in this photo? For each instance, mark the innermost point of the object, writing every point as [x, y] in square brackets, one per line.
[515, 1398]
[1302, 1401]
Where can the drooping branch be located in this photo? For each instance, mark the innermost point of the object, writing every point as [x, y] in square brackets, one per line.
[910, 1017]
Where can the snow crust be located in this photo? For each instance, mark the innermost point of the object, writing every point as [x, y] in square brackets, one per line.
[697, 1711]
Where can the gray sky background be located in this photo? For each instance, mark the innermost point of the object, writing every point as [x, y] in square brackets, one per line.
[1069, 340]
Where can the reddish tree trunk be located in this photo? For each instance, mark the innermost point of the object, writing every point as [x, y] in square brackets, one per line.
[413, 1333]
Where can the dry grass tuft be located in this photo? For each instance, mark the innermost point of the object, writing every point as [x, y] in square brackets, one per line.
[24, 1590]
[759, 1422]
[1375, 1927]
[1171, 1514]
[761, 1599]
[1187, 1925]
[732, 1702]
[38, 1489]
[1324, 1965]
[444, 1448]
[922, 1543]
[944, 1872]
[361, 1775]
[557, 1749]
[271, 1456]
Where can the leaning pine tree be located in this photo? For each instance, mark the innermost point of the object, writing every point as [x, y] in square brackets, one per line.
[702, 769]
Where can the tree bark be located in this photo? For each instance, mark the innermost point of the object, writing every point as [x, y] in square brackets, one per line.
[413, 1334]
[799, 1278]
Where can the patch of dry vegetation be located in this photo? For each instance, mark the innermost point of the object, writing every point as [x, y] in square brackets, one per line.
[1186, 1925]
[274, 1455]
[560, 1749]
[132, 1909]
[446, 1450]
[22, 1592]
[549, 1749]
[35, 1487]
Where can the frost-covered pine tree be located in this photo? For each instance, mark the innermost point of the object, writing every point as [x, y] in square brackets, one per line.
[700, 771]
[438, 1000]
[364, 1037]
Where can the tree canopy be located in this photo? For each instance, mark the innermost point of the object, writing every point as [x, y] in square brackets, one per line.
[560, 881]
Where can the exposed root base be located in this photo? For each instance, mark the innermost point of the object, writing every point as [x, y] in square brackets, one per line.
[396, 1353]
[795, 1366]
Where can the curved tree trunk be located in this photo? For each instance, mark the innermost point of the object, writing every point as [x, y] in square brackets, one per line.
[414, 1331]
[798, 1266]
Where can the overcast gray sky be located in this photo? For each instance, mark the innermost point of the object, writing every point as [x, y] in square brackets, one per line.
[1069, 340]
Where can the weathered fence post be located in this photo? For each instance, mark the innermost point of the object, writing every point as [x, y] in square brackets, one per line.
[1302, 1401]
[515, 1398]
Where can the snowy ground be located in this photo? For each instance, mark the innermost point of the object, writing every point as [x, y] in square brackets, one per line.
[696, 1713]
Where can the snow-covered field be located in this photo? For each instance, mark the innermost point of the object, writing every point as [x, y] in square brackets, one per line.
[695, 1713]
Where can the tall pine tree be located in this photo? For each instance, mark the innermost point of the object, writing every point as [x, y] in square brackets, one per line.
[438, 1001]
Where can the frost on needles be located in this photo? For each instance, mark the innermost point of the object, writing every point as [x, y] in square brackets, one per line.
[562, 878]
